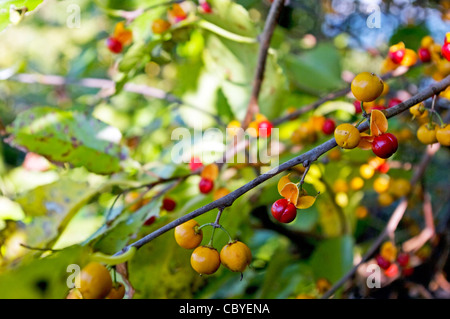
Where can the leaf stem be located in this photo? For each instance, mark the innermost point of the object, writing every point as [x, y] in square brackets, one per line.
[224, 33]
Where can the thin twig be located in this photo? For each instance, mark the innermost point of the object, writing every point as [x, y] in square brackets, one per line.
[332, 96]
[108, 86]
[391, 225]
[269, 27]
[427, 233]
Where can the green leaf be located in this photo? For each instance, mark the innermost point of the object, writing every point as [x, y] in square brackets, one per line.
[232, 17]
[411, 35]
[11, 11]
[234, 64]
[44, 278]
[224, 110]
[333, 258]
[68, 137]
[52, 206]
[161, 270]
[135, 55]
[316, 71]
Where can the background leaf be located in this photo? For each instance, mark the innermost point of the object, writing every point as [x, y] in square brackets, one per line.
[68, 137]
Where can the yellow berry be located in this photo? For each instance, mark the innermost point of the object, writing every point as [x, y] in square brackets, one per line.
[367, 87]
[347, 136]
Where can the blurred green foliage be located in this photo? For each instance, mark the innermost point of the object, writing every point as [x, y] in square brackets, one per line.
[102, 144]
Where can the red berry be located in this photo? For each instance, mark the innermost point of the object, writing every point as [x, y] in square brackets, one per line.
[328, 126]
[392, 271]
[397, 56]
[357, 105]
[446, 51]
[150, 221]
[114, 45]
[393, 102]
[206, 185]
[195, 164]
[424, 55]
[169, 204]
[384, 145]
[383, 263]
[265, 128]
[284, 211]
[383, 168]
[403, 259]
[206, 7]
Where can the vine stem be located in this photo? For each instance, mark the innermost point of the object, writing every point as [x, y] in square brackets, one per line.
[312, 155]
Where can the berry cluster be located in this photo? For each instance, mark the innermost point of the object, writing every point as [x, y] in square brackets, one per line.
[176, 14]
[134, 200]
[308, 132]
[389, 189]
[430, 132]
[436, 57]
[367, 87]
[205, 259]
[284, 210]
[259, 127]
[123, 37]
[391, 261]
[120, 38]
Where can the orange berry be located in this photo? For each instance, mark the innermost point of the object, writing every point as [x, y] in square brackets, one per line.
[361, 212]
[388, 251]
[160, 26]
[95, 281]
[205, 260]
[187, 234]
[236, 256]
[366, 171]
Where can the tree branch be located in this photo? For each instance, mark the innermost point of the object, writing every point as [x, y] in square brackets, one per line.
[311, 156]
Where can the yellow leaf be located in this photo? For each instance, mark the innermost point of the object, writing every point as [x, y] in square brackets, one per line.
[283, 181]
[378, 123]
[260, 117]
[120, 26]
[210, 172]
[365, 143]
[305, 202]
[290, 192]
[123, 35]
[410, 58]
